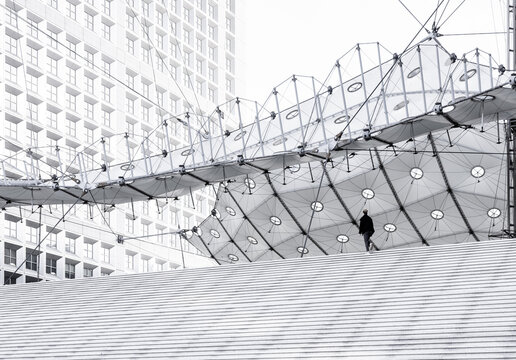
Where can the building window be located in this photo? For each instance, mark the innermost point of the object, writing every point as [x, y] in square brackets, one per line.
[106, 31]
[32, 260]
[211, 95]
[71, 102]
[229, 85]
[88, 272]
[32, 55]
[52, 3]
[229, 65]
[52, 119]
[71, 75]
[145, 265]
[106, 67]
[52, 240]
[106, 118]
[229, 45]
[159, 40]
[186, 14]
[145, 8]
[212, 11]
[129, 106]
[129, 261]
[199, 23]
[106, 255]
[199, 87]
[32, 83]
[11, 130]
[146, 55]
[199, 65]
[161, 18]
[212, 54]
[52, 66]
[71, 10]
[106, 7]
[130, 46]
[33, 138]
[88, 250]
[10, 256]
[130, 22]
[11, 45]
[186, 36]
[33, 29]
[11, 73]
[51, 266]
[106, 93]
[52, 39]
[90, 59]
[212, 33]
[90, 22]
[70, 245]
[69, 271]
[72, 49]
[130, 226]
[229, 24]
[89, 110]
[159, 266]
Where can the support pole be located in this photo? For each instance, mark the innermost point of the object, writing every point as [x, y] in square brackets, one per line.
[240, 124]
[167, 138]
[294, 80]
[190, 137]
[422, 77]
[257, 119]
[364, 86]
[103, 142]
[319, 112]
[337, 64]
[222, 135]
[279, 118]
[383, 86]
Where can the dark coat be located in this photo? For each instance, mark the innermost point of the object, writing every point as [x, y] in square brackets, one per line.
[366, 224]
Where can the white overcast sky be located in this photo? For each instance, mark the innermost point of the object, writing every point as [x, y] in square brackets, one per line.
[285, 37]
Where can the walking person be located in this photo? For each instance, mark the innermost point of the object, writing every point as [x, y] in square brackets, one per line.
[367, 230]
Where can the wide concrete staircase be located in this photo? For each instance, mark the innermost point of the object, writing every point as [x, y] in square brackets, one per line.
[442, 302]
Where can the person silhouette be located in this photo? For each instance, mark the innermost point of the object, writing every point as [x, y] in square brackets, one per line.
[366, 229]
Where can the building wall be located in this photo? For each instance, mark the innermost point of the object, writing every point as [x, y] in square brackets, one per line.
[76, 72]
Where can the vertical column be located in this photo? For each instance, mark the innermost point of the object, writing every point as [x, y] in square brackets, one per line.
[383, 84]
[337, 64]
[294, 80]
[222, 136]
[279, 118]
[242, 137]
[364, 85]
[258, 126]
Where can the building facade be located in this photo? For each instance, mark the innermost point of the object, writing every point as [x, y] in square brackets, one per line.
[76, 73]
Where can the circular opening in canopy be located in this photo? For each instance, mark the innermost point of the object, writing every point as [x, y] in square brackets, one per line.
[478, 171]
[230, 211]
[468, 75]
[233, 257]
[279, 141]
[275, 220]
[390, 227]
[414, 72]
[252, 240]
[416, 173]
[240, 135]
[214, 233]
[341, 119]
[355, 86]
[342, 238]
[302, 250]
[126, 167]
[437, 214]
[368, 193]
[292, 114]
[448, 109]
[351, 155]
[294, 168]
[187, 152]
[317, 206]
[401, 105]
[483, 98]
[249, 183]
[494, 213]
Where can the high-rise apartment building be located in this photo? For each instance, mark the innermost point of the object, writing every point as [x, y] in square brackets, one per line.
[78, 72]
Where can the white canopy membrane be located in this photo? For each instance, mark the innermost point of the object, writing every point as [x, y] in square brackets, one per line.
[425, 90]
[442, 187]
